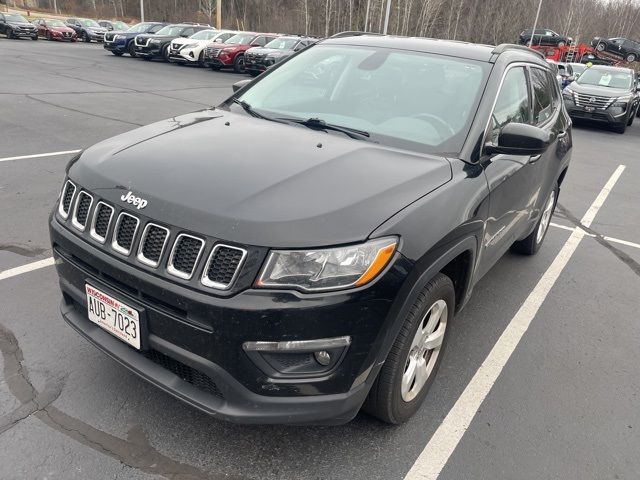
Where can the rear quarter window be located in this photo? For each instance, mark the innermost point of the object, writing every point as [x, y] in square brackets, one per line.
[543, 95]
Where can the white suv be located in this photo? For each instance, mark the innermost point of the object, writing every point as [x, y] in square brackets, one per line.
[190, 50]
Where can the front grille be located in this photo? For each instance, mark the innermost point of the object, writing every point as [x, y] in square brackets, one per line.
[213, 52]
[223, 266]
[65, 199]
[152, 244]
[125, 232]
[81, 213]
[101, 221]
[108, 37]
[185, 255]
[595, 101]
[185, 372]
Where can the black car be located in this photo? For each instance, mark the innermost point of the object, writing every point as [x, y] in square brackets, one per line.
[13, 25]
[604, 94]
[621, 47]
[87, 29]
[150, 46]
[543, 36]
[119, 43]
[300, 250]
[258, 59]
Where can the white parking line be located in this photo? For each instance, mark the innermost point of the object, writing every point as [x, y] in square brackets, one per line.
[39, 155]
[445, 439]
[608, 239]
[29, 267]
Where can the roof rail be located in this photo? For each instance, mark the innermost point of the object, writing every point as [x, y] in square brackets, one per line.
[503, 47]
[354, 33]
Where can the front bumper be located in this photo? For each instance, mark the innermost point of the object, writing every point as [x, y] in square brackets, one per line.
[611, 115]
[118, 46]
[25, 33]
[183, 56]
[149, 51]
[204, 334]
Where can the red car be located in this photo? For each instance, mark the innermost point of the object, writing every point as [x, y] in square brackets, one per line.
[54, 29]
[231, 52]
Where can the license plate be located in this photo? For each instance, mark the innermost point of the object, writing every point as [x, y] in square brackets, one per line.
[115, 317]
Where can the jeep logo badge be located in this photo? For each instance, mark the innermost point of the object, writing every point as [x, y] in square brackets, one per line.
[138, 202]
[592, 100]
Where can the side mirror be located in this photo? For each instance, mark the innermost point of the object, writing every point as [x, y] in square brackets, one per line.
[238, 85]
[638, 88]
[520, 139]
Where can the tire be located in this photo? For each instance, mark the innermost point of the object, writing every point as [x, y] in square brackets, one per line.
[201, 59]
[47, 35]
[165, 53]
[561, 44]
[238, 64]
[86, 38]
[601, 47]
[132, 49]
[531, 244]
[9, 33]
[631, 57]
[631, 118]
[388, 399]
[34, 38]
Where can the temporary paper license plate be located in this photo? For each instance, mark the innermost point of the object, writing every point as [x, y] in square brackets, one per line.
[114, 316]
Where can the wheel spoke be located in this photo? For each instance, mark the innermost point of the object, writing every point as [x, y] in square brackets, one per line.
[408, 377]
[434, 340]
[422, 375]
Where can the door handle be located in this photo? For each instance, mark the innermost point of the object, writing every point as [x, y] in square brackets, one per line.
[534, 158]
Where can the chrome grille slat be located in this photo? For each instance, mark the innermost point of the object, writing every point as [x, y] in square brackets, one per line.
[152, 244]
[124, 233]
[223, 266]
[102, 216]
[185, 255]
[584, 100]
[81, 211]
[66, 199]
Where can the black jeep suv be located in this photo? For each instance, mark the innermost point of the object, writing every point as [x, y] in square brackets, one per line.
[150, 46]
[604, 94]
[621, 47]
[13, 25]
[544, 36]
[317, 267]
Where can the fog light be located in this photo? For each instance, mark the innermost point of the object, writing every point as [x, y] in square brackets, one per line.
[322, 357]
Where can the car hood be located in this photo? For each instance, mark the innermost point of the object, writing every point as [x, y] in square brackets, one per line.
[158, 37]
[600, 91]
[251, 181]
[184, 41]
[21, 24]
[61, 29]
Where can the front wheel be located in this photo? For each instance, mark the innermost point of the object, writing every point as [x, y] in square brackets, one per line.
[9, 33]
[561, 44]
[47, 35]
[238, 64]
[132, 50]
[631, 58]
[34, 38]
[409, 370]
[620, 128]
[86, 38]
[531, 244]
[631, 118]
[600, 47]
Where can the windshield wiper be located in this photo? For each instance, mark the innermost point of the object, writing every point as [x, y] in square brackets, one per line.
[249, 109]
[319, 124]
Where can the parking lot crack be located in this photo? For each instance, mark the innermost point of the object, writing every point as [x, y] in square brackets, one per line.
[135, 452]
[620, 255]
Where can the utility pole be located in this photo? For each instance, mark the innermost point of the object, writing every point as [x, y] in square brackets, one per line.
[535, 23]
[366, 17]
[142, 10]
[219, 14]
[55, 7]
[386, 18]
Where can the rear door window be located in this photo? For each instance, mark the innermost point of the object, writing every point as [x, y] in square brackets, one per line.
[543, 93]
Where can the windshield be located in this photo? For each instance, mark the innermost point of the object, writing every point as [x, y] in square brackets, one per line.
[89, 23]
[139, 28]
[14, 17]
[55, 23]
[170, 30]
[578, 67]
[120, 26]
[405, 99]
[204, 35]
[282, 43]
[240, 39]
[606, 78]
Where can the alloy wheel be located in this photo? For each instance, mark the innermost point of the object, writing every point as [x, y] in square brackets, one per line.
[424, 350]
[546, 217]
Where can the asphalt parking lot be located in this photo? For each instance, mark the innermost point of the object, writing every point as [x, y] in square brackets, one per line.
[556, 397]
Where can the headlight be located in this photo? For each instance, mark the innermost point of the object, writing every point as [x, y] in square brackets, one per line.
[567, 94]
[327, 269]
[155, 42]
[621, 102]
[119, 37]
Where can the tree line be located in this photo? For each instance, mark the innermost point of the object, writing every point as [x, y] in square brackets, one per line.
[480, 21]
